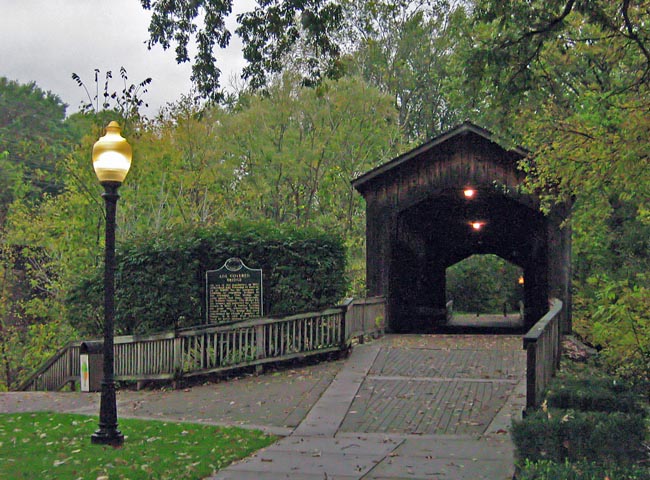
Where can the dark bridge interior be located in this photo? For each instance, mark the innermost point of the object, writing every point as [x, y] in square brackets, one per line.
[444, 201]
[445, 229]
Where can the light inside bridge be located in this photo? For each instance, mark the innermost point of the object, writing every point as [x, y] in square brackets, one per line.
[477, 225]
[469, 192]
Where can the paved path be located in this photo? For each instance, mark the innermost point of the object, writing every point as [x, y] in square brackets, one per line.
[275, 402]
[416, 407]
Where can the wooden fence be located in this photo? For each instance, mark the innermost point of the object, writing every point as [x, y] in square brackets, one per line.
[365, 316]
[209, 349]
[542, 345]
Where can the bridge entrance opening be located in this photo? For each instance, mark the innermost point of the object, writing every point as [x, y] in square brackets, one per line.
[486, 293]
[456, 196]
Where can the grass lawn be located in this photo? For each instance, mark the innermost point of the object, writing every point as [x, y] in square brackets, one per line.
[57, 446]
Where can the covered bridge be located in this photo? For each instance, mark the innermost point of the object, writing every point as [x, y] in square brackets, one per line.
[452, 197]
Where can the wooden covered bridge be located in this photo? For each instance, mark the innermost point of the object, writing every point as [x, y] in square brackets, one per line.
[455, 196]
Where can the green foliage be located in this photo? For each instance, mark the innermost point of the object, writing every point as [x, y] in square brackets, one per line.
[53, 446]
[483, 283]
[161, 280]
[32, 140]
[270, 33]
[559, 435]
[125, 104]
[550, 470]
[621, 325]
[405, 48]
[31, 325]
[593, 394]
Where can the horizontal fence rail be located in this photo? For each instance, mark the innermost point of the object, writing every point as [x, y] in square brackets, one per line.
[542, 345]
[212, 348]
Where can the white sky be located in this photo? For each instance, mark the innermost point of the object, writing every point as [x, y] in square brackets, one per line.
[45, 41]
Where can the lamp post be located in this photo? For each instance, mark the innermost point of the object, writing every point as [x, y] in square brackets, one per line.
[111, 160]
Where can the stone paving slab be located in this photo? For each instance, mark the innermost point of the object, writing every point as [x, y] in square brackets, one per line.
[436, 468]
[456, 448]
[323, 457]
[357, 445]
[239, 475]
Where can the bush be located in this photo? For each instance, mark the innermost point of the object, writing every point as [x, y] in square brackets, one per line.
[594, 394]
[160, 282]
[559, 435]
[548, 470]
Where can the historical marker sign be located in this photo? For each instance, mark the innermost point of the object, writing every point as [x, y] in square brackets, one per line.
[233, 292]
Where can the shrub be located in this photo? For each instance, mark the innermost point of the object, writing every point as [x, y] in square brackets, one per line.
[160, 282]
[593, 394]
[621, 325]
[548, 470]
[561, 435]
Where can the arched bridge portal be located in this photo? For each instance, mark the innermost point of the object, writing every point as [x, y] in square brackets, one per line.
[452, 197]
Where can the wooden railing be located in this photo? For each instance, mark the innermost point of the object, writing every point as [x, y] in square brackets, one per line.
[208, 349]
[364, 317]
[542, 345]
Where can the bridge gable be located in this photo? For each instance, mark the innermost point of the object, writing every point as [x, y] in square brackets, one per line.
[465, 156]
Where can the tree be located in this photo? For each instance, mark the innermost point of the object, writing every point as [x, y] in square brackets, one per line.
[296, 149]
[33, 140]
[269, 32]
[405, 49]
[570, 80]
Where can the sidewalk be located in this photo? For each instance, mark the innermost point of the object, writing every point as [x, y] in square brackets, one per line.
[407, 407]
[274, 402]
[414, 406]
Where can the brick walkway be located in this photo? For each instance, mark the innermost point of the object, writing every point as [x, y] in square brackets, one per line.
[431, 389]
[414, 406]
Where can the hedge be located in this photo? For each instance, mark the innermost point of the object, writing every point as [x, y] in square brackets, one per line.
[595, 394]
[559, 435]
[548, 470]
[160, 281]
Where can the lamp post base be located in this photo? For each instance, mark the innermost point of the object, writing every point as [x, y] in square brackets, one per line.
[104, 436]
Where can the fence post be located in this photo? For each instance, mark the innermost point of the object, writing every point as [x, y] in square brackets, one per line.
[344, 324]
[531, 374]
[177, 359]
[260, 342]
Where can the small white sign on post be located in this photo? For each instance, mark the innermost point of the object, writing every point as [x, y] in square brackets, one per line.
[85, 376]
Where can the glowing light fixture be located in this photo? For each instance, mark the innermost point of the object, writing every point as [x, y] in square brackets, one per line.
[112, 156]
[477, 225]
[469, 192]
[521, 280]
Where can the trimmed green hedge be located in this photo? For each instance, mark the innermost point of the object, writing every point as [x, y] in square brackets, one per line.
[559, 435]
[548, 470]
[160, 281]
[595, 394]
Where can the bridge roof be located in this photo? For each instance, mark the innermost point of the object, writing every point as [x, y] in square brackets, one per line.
[467, 128]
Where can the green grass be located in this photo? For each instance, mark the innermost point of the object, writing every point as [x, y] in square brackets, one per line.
[57, 446]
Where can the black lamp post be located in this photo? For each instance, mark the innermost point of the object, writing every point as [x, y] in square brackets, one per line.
[111, 160]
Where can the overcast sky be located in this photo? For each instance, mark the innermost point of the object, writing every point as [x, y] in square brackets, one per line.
[45, 41]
